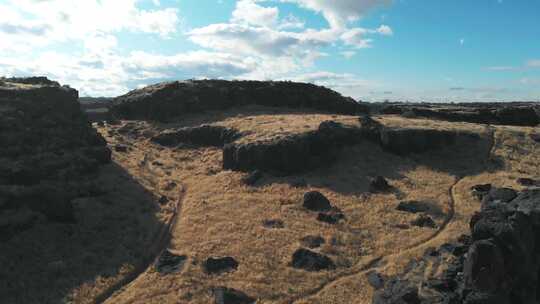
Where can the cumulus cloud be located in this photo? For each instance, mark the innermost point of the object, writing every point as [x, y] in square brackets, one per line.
[339, 13]
[534, 63]
[249, 12]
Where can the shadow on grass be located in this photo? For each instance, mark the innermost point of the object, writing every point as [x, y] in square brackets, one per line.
[58, 263]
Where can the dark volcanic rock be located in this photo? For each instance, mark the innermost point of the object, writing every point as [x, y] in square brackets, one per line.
[517, 116]
[330, 217]
[479, 191]
[166, 100]
[120, 148]
[205, 135]
[412, 207]
[316, 201]
[47, 144]
[219, 265]
[524, 181]
[499, 195]
[311, 261]
[273, 224]
[424, 221]
[397, 292]
[169, 262]
[252, 178]
[312, 241]
[294, 153]
[224, 295]
[379, 184]
[535, 137]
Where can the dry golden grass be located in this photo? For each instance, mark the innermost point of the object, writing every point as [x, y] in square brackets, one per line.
[223, 217]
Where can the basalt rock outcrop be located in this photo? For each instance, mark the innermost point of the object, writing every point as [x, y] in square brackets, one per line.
[204, 135]
[292, 154]
[302, 152]
[498, 263]
[166, 100]
[48, 146]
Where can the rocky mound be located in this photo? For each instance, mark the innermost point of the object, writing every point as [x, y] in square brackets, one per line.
[514, 115]
[166, 100]
[498, 263]
[47, 146]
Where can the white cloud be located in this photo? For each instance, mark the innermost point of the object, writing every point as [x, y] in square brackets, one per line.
[534, 63]
[249, 12]
[385, 30]
[348, 54]
[339, 13]
[291, 22]
[501, 68]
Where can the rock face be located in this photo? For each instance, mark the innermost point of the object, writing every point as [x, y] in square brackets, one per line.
[205, 135]
[407, 141]
[47, 146]
[316, 201]
[499, 263]
[166, 100]
[292, 154]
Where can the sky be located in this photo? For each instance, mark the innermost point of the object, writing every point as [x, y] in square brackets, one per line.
[371, 50]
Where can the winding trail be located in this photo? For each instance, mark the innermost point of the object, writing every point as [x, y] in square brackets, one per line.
[162, 237]
[376, 261]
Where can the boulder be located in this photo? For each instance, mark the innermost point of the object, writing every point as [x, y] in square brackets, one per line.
[331, 217]
[479, 191]
[252, 178]
[316, 201]
[397, 292]
[219, 265]
[273, 224]
[169, 262]
[224, 295]
[311, 261]
[524, 181]
[424, 221]
[412, 207]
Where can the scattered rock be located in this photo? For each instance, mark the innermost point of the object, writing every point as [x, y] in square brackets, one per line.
[163, 200]
[120, 148]
[535, 137]
[252, 178]
[375, 279]
[479, 191]
[331, 217]
[311, 261]
[379, 184]
[224, 295]
[312, 241]
[220, 265]
[316, 201]
[424, 221]
[526, 181]
[397, 292]
[273, 224]
[412, 207]
[169, 262]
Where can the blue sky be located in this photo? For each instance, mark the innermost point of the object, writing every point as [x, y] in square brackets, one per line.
[418, 50]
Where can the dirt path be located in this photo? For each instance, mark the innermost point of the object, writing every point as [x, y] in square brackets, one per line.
[162, 240]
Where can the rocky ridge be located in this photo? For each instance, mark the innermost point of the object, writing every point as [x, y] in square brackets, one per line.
[48, 147]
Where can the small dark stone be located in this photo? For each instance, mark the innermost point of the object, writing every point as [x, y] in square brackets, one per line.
[412, 207]
[120, 148]
[224, 295]
[526, 181]
[252, 178]
[379, 184]
[168, 262]
[219, 265]
[163, 200]
[312, 241]
[424, 221]
[535, 137]
[431, 251]
[311, 261]
[316, 201]
[273, 224]
[331, 217]
[479, 191]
